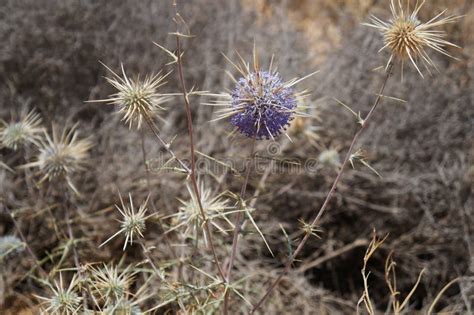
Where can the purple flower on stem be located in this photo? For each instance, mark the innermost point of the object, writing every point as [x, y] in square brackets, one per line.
[261, 105]
[264, 105]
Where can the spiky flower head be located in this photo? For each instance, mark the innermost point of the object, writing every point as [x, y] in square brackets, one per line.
[10, 244]
[61, 155]
[137, 99]
[63, 301]
[215, 207]
[407, 37]
[329, 157]
[110, 283]
[22, 131]
[261, 105]
[132, 223]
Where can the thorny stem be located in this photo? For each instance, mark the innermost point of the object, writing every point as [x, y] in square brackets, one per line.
[164, 144]
[238, 226]
[192, 174]
[150, 261]
[329, 195]
[70, 233]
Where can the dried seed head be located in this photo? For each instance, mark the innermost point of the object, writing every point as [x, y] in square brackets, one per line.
[137, 99]
[310, 229]
[60, 156]
[329, 157]
[27, 129]
[110, 283]
[9, 245]
[211, 204]
[261, 105]
[63, 300]
[407, 38]
[132, 223]
[190, 217]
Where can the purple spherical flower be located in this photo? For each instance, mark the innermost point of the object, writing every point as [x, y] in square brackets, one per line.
[263, 104]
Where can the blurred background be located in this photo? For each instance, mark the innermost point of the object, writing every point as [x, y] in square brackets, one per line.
[423, 148]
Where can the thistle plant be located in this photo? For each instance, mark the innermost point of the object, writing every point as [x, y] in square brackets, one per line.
[63, 300]
[261, 105]
[10, 244]
[111, 284]
[137, 99]
[61, 156]
[189, 215]
[408, 38]
[405, 36]
[192, 151]
[25, 130]
[329, 157]
[133, 221]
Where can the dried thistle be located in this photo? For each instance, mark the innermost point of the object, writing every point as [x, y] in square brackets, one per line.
[407, 37]
[307, 228]
[137, 99]
[189, 214]
[62, 300]
[22, 131]
[261, 105]
[60, 156]
[359, 156]
[10, 244]
[132, 223]
[329, 157]
[110, 283]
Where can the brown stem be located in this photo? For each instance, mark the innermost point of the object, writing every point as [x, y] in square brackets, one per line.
[67, 203]
[238, 226]
[69, 231]
[155, 132]
[207, 229]
[150, 260]
[329, 195]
